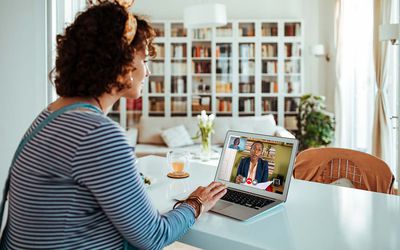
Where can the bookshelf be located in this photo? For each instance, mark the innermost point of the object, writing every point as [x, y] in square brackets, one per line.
[246, 68]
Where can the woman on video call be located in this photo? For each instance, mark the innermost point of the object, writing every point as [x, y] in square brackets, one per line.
[253, 167]
[74, 184]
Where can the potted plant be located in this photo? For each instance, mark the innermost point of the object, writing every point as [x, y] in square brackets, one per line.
[315, 125]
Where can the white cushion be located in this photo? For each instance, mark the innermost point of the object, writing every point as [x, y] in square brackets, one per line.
[343, 182]
[176, 137]
[150, 128]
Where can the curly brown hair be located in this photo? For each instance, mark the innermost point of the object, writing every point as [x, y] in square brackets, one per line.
[93, 53]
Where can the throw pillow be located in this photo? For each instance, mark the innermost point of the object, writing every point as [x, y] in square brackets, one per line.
[176, 137]
[343, 182]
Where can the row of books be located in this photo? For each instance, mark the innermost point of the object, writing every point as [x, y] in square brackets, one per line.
[292, 66]
[247, 29]
[178, 106]
[224, 105]
[201, 67]
[269, 67]
[157, 68]
[178, 30]
[224, 31]
[293, 87]
[223, 87]
[223, 67]
[247, 67]
[269, 29]
[159, 29]
[246, 105]
[247, 50]
[178, 68]
[201, 102]
[202, 33]
[291, 105]
[292, 49]
[223, 50]
[160, 50]
[178, 50]
[178, 85]
[246, 88]
[201, 51]
[134, 104]
[269, 50]
[156, 104]
[269, 87]
[269, 105]
[292, 29]
[156, 86]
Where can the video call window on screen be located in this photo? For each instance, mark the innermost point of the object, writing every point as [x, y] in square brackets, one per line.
[256, 163]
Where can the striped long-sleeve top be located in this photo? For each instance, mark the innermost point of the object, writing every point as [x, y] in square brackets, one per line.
[75, 185]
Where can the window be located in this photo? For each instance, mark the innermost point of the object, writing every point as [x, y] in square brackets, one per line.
[61, 13]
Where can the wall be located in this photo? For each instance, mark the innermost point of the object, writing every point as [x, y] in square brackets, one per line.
[22, 72]
[318, 17]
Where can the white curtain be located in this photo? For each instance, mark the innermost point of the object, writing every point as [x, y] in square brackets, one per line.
[381, 146]
[354, 93]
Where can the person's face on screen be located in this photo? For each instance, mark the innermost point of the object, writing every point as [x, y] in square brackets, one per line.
[256, 151]
[236, 142]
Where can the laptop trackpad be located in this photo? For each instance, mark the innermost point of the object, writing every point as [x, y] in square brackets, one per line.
[221, 205]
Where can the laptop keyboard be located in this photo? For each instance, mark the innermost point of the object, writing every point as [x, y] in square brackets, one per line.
[247, 200]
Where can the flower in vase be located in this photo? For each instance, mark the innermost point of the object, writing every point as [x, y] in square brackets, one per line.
[206, 128]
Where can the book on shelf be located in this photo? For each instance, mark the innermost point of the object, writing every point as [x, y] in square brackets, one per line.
[159, 50]
[292, 49]
[201, 51]
[246, 88]
[246, 50]
[247, 67]
[223, 67]
[290, 105]
[224, 105]
[291, 122]
[201, 102]
[178, 106]
[246, 105]
[269, 67]
[223, 87]
[269, 50]
[179, 50]
[178, 68]
[201, 67]
[246, 29]
[202, 33]
[157, 68]
[270, 105]
[223, 50]
[269, 87]
[156, 87]
[292, 66]
[292, 29]
[156, 105]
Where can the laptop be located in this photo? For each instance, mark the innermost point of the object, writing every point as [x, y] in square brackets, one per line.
[257, 170]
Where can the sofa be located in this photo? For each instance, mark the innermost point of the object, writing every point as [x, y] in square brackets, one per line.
[146, 138]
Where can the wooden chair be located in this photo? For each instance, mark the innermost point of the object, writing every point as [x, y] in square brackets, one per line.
[326, 165]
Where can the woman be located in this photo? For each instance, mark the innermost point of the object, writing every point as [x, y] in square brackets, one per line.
[74, 184]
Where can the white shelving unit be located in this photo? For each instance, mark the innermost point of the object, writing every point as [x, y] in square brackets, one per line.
[247, 68]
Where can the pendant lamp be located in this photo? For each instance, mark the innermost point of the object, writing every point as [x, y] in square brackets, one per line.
[206, 15]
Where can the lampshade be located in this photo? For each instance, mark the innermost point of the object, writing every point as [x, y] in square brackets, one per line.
[205, 15]
[318, 50]
[389, 32]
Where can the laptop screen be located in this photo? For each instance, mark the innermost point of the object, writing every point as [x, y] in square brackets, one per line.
[259, 163]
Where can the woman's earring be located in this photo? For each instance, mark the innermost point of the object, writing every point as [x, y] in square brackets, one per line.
[131, 79]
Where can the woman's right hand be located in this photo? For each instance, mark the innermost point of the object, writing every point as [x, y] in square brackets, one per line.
[210, 194]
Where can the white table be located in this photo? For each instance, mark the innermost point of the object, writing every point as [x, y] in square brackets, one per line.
[315, 216]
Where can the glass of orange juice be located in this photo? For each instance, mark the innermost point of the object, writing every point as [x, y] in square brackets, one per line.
[178, 161]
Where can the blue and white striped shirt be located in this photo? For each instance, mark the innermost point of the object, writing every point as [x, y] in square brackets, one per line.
[75, 185]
